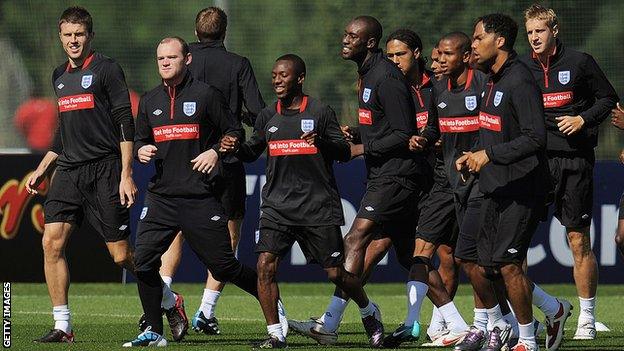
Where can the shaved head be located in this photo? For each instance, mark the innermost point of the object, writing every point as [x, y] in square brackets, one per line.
[372, 27]
[461, 39]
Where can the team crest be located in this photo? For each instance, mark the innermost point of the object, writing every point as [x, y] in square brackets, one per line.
[366, 94]
[189, 108]
[564, 77]
[143, 213]
[86, 81]
[498, 97]
[470, 102]
[307, 125]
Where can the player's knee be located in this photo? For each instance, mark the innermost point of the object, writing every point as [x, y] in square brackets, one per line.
[352, 240]
[53, 247]
[122, 259]
[580, 245]
[266, 268]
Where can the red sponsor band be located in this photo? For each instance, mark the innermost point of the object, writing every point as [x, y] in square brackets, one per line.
[365, 116]
[421, 119]
[461, 124]
[558, 99]
[176, 132]
[76, 102]
[291, 147]
[490, 122]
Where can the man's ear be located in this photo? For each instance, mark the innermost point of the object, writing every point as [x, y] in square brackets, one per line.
[500, 41]
[371, 43]
[301, 78]
[189, 58]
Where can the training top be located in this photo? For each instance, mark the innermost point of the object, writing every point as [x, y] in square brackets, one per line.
[421, 95]
[512, 132]
[231, 74]
[300, 187]
[457, 110]
[94, 111]
[387, 120]
[572, 84]
[182, 122]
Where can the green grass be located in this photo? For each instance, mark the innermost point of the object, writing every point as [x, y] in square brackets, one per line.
[105, 315]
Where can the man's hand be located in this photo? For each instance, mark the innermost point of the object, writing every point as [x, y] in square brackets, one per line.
[228, 143]
[146, 153]
[569, 125]
[473, 161]
[34, 180]
[617, 117]
[356, 150]
[127, 190]
[417, 143]
[206, 161]
[622, 156]
[309, 137]
[346, 131]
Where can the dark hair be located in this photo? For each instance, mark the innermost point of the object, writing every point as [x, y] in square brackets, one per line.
[77, 15]
[503, 26]
[465, 44]
[412, 40]
[211, 23]
[183, 43]
[297, 62]
[373, 27]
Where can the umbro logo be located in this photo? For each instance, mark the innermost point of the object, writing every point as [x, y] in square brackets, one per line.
[215, 218]
[335, 254]
[157, 112]
[585, 216]
[60, 86]
[123, 227]
[369, 208]
[512, 251]
[442, 105]
[273, 129]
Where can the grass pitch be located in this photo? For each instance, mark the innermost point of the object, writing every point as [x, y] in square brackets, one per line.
[105, 315]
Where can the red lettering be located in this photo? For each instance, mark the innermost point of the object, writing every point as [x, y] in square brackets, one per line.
[463, 124]
[176, 132]
[365, 116]
[490, 122]
[421, 119]
[291, 147]
[76, 102]
[13, 201]
[557, 99]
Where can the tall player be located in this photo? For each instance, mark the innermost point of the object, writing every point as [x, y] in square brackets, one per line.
[577, 98]
[233, 76]
[92, 152]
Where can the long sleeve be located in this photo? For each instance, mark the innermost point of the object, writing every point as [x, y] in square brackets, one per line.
[221, 117]
[250, 150]
[251, 94]
[432, 130]
[117, 92]
[528, 107]
[603, 91]
[400, 113]
[331, 140]
[143, 134]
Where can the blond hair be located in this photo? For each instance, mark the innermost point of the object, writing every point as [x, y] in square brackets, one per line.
[537, 11]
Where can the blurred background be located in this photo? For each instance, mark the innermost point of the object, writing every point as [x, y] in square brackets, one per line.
[261, 30]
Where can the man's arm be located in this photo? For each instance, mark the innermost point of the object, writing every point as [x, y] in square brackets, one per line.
[606, 97]
[400, 113]
[45, 166]
[250, 150]
[251, 94]
[330, 138]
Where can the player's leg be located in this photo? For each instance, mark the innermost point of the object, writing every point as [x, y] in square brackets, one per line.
[619, 234]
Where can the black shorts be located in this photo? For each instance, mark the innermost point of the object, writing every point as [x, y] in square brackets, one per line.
[621, 212]
[392, 204]
[437, 222]
[233, 190]
[320, 244]
[468, 217]
[89, 191]
[203, 224]
[507, 226]
[573, 177]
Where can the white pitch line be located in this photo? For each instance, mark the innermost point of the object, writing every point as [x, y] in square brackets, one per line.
[132, 316]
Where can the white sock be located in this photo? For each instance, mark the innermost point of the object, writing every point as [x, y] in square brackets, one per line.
[276, 331]
[332, 317]
[587, 310]
[369, 310]
[416, 293]
[62, 317]
[548, 304]
[481, 319]
[527, 334]
[511, 320]
[209, 302]
[168, 299]
[437, 321]
[167, 280]
[454, 320]
[495, 318]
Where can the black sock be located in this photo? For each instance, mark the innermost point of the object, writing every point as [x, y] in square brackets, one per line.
[150, 292]
[247, 280]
